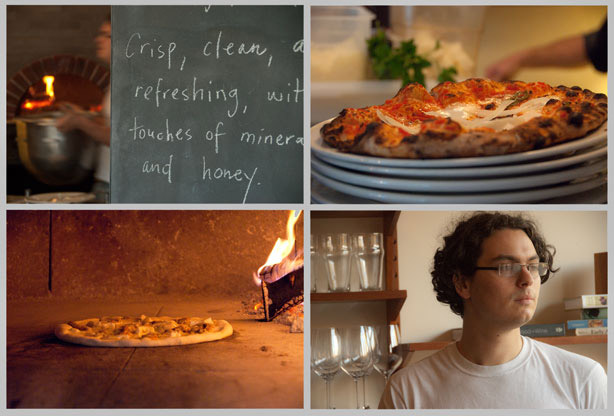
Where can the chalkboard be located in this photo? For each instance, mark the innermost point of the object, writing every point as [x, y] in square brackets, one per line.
[207, 104]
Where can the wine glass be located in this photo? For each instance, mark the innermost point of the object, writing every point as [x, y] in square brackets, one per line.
[357, 356]
[326, 356]
[372, 340]
[387, 351]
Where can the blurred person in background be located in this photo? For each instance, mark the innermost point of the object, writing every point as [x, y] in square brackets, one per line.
[98, 128]
[573, 51]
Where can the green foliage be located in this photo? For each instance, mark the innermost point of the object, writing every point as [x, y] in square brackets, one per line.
[447, 74]
[402, 62]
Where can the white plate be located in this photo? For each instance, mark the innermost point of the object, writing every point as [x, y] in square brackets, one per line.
[512, 197]
[458, 185]
[321, 194]
[60, 198]
[323, 151]
[578, 157]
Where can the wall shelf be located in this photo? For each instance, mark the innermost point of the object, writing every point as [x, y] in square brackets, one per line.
[394, 299]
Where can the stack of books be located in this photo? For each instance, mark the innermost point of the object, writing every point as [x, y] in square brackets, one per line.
[589, 315]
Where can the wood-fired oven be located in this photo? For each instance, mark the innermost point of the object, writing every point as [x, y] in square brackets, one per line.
[69, 265]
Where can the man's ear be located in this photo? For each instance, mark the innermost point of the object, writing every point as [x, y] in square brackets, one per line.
[462, 286]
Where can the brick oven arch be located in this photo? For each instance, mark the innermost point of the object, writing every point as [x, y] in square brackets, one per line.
[18, 84]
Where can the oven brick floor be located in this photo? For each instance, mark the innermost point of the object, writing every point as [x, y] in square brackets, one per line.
[259, 366]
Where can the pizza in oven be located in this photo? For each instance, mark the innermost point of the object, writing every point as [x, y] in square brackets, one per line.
[475, 117]
[144, 331]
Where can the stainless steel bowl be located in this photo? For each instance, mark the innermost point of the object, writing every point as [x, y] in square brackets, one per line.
[54, 157]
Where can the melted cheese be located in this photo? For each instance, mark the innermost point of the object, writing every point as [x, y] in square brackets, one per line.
[135, 328]
[472, 116]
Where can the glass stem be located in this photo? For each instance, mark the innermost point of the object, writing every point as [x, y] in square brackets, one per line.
[327, 393]
[364, 393]
[356, 384]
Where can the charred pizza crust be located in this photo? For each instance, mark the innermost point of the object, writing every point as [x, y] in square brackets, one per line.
[144, 331]
[566, 114]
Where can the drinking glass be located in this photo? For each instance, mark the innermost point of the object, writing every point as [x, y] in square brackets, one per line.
[387, 350]
[314, 263]
[326, 356]
[368, 258]
[356, 357]
[336, 256]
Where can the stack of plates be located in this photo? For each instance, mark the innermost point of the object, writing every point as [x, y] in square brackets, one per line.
[571, 168]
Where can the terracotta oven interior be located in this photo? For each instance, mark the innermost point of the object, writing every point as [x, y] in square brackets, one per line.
[68, 265]
[77, 80]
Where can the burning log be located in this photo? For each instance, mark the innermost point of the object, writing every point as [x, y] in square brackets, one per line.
[282, 294]
[281, 276]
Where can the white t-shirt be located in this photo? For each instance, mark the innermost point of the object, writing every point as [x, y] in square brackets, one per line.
[540, 377]
[103, 166]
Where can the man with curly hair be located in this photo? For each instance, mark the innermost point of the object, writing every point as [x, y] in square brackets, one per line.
[489, 271]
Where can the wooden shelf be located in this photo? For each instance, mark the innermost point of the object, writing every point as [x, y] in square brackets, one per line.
[394, 298]
[575, 340]
[359, 296]
[567, 340]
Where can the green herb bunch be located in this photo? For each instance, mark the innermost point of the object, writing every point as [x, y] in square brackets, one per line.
[403, 62]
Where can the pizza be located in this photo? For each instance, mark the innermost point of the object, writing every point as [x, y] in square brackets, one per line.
[475, 117]
[144, 331]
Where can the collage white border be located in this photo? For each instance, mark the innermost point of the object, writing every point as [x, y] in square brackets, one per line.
[306, 206]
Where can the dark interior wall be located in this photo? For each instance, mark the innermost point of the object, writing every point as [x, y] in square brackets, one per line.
[130, 253]
[34, 32]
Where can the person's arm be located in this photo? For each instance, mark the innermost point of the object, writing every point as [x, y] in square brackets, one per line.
[597, 47]
[75, 119]
[96, 128]
[566, 52]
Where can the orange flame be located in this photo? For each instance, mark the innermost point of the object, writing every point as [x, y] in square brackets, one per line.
[48, 80]
[48, 97]
[282, 247]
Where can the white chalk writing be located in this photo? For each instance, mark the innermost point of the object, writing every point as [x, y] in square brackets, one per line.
[292, 96]
[158, 168]
[193, 93]
[237, 175]
[152, 49]
[203, 82]
[298, 46]
[168, 135]
[215, 135]
[229, 48]
[278, 139]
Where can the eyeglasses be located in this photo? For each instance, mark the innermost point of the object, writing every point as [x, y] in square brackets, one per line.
[512, 269]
